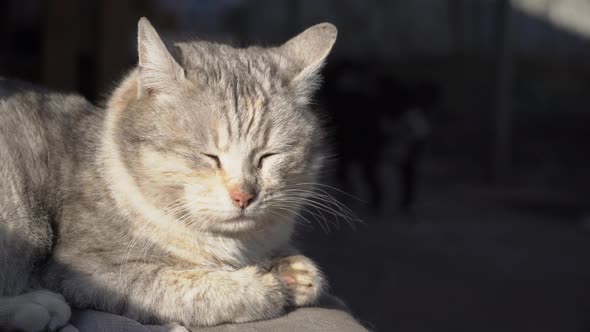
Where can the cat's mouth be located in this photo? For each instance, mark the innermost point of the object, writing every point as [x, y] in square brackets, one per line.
[241, 217]
[238, 219]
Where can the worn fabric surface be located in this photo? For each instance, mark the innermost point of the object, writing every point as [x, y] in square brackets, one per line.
[324, 319]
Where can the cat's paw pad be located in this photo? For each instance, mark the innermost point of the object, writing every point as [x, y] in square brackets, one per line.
[39, 310]
[303, 277]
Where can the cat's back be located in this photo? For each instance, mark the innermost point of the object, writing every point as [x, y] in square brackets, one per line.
[39, 130]
[27, 111]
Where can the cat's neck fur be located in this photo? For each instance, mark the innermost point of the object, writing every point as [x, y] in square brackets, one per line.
[150, 223]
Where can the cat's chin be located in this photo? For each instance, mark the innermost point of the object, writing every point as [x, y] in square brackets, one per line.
[235, 225]
[232, 222]
[238, 223]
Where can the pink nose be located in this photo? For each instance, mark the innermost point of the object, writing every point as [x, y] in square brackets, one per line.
[241, 198]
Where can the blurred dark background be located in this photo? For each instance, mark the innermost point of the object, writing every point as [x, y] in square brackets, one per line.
[459, 126]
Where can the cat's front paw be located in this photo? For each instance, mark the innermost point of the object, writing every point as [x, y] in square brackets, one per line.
[303, 277]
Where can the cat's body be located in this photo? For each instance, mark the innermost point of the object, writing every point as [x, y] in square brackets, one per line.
[176, 202]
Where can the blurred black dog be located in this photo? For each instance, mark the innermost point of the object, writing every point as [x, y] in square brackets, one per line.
[378, 119]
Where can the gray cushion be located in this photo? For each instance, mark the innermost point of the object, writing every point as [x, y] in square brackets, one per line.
[331, 316]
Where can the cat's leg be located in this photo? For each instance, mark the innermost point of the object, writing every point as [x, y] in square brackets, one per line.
[212, 297]
[25, 242]
[192, 297]
[35, 311]
[303, 276]
[409, 175]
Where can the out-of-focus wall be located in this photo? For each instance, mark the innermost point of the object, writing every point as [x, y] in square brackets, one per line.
[400, 28]
[378, 31]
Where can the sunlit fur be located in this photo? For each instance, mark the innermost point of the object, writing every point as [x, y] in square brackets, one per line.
[130, 212]
[235, 114]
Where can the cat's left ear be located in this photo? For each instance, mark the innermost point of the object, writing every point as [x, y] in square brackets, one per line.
[158, 70]
[307, 52]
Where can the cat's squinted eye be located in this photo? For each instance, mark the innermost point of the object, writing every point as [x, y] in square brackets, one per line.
[213, 158]
[263, 157]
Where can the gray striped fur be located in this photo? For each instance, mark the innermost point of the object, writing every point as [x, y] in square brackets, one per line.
[121, 208]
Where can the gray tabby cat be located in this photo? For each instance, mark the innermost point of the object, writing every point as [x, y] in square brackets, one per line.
[176, 203]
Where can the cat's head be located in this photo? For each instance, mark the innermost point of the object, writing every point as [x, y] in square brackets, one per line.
[223, 138]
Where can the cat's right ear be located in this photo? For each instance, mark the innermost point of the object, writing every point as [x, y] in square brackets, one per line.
[308, 51]
[158, 70]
